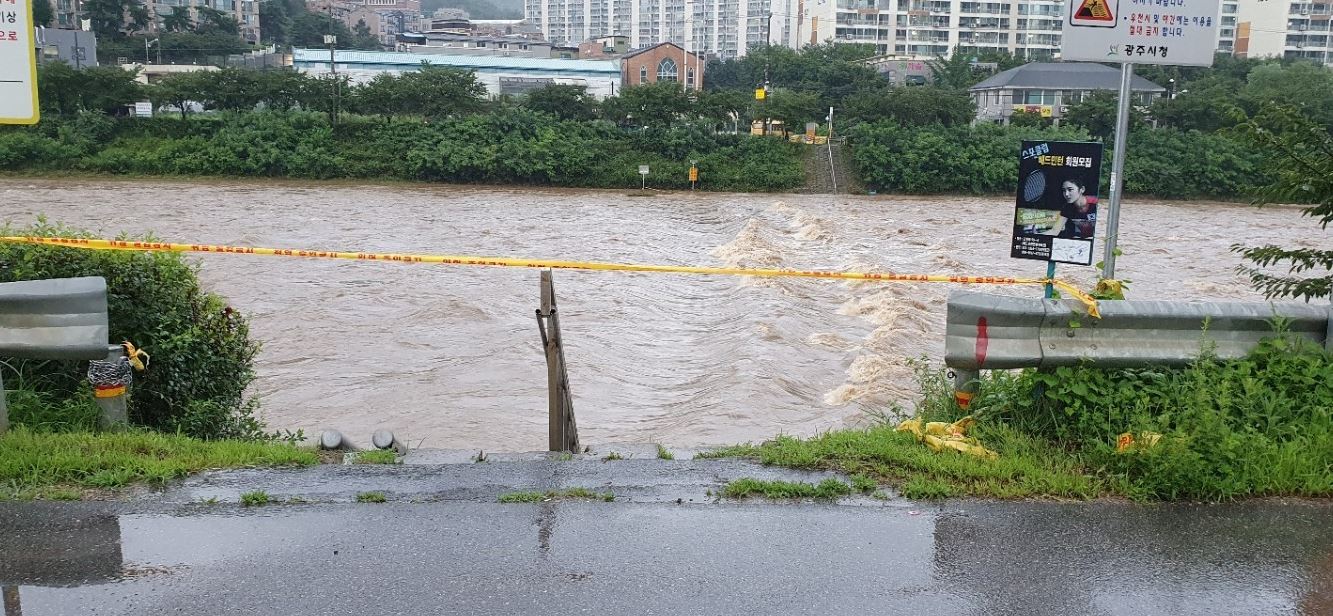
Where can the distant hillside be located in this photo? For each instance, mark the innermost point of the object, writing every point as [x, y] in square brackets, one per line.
[478, 9]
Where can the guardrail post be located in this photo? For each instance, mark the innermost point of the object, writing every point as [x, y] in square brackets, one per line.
[1328, 335]
[110, 379]
[965, 385]
[4, 411]
[563, 434]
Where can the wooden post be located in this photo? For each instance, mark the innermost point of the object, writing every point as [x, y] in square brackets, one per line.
[563, 434]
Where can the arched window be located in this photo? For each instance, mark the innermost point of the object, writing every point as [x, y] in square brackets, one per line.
[666, 70]
[689, 77]
[643, 74]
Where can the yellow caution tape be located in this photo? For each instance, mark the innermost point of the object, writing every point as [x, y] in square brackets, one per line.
[96, 244]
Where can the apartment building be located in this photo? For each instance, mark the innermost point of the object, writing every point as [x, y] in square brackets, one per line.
[1280, 29]
[904, 28]
[385, 18]
[726, 28]
[245, 12]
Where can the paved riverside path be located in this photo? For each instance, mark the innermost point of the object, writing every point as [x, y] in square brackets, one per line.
[443, 545]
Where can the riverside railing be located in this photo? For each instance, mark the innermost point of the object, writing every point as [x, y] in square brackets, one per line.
[987, 332]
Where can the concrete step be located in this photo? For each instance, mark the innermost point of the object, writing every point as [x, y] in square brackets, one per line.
[628, 480]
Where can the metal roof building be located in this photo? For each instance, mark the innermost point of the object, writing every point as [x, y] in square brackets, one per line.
[1048, 88]
[500, 74]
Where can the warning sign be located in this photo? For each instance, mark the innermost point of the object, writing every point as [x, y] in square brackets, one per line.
[1176, 32]
[18, 64]
[1094, 10]
[1094, 13]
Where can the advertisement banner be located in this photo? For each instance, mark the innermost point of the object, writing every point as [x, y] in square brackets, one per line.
[1055, 217]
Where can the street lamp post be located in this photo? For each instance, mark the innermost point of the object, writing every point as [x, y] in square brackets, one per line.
[332, 42]
[1171, 83]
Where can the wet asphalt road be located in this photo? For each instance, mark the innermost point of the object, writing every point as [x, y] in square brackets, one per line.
[466, 554]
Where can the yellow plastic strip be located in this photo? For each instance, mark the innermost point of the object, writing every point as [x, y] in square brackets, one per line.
[98, 244]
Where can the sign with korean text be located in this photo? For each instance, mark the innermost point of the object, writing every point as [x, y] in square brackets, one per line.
[1181, 32]
[1045, 111]
[1056, 214]
[18, 64]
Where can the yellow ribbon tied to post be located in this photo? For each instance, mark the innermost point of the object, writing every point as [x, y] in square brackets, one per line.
[941, 436]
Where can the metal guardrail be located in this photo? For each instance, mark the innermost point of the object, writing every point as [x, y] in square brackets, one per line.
[998, 332]
[53, 319]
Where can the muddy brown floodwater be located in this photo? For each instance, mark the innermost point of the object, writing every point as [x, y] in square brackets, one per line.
[450, 356]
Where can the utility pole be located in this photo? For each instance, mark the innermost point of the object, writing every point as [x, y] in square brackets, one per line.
[332, 42]
[768, 54]
[146, 43]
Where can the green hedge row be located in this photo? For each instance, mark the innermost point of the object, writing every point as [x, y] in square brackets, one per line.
[983, 159]
[505, 146]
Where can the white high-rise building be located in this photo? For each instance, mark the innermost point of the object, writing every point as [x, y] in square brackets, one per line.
[1280, 29]
[728, 27]
[914, 28]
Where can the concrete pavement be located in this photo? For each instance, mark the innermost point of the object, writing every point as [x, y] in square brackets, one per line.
[442, 545]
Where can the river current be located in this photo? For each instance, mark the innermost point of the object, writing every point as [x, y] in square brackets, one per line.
[450, 356]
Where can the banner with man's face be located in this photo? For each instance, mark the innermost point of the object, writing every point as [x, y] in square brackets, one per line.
[1055, 217]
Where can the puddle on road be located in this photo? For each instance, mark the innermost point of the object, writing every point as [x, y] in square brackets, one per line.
[997, 557]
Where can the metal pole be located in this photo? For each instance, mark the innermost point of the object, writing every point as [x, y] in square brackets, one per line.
[4, 411]
[1050, 273]
[684, 49]
[1117, 171]
[1328, 335]
[333, 70]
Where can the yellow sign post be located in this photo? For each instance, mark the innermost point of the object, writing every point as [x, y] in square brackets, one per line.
[18, 65]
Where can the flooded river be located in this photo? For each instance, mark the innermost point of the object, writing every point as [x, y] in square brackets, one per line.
[451, 357]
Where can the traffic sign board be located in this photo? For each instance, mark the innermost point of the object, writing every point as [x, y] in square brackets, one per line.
[1181, 32]
[1094, 13]
[18, 64]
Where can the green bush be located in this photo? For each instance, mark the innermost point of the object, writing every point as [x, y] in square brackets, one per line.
[202, 356]
[508, 145]
[983, 159]
[1260, 425]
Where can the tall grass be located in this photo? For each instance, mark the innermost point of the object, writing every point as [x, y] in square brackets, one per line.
[1257, 426]
[35, 463]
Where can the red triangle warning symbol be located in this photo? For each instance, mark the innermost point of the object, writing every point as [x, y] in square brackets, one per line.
[1094, 10]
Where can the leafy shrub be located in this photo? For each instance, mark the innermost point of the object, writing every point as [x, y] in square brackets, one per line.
[507, 145]
[202, 357]
[982, 160]
[1258, 425]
